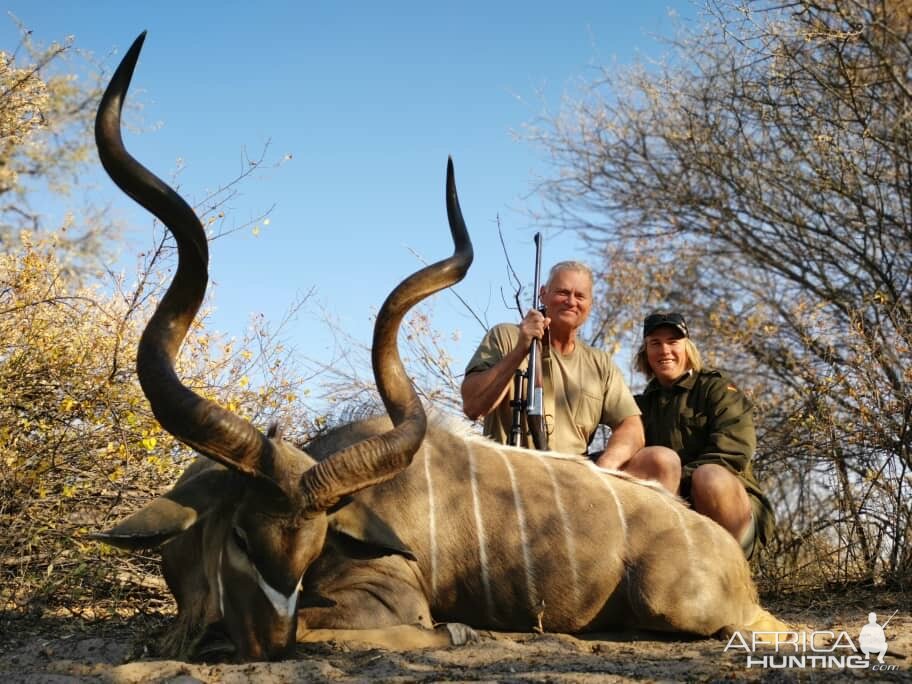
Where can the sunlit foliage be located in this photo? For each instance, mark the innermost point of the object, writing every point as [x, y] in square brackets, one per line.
[79, 447]
[46, 114]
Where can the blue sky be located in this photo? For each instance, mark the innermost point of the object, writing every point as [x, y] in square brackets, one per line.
[369, 99]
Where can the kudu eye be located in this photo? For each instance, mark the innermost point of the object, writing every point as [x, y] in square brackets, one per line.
[240, 538]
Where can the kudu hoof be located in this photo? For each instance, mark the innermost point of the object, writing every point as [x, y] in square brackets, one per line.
[461, 634]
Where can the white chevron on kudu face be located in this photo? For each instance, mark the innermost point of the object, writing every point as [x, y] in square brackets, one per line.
[480, 531]
[528, 563]
[432, 517]
[284, 605]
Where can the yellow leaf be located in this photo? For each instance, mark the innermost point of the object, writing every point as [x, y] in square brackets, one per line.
[149, 443]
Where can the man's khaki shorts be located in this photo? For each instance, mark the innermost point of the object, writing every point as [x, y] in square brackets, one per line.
[750, 540]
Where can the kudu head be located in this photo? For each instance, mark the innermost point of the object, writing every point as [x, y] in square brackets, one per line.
[261, 515]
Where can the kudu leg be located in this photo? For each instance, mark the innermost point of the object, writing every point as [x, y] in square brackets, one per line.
[378, 602]
[764, 623]
[395, 638]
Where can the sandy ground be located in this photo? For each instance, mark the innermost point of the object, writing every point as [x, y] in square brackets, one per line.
[61, 651]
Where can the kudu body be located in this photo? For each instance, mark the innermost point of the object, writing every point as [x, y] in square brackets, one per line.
[382, 528]
[511, 539]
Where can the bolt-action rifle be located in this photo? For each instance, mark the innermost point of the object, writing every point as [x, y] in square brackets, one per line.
[528, 393]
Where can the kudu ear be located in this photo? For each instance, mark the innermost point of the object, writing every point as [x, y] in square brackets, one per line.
[359, 522]
[167, 516]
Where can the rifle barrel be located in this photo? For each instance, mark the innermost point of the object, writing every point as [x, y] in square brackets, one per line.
[535, 407]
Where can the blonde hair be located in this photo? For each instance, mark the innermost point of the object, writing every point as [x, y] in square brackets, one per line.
[694, 361]
[578, 266]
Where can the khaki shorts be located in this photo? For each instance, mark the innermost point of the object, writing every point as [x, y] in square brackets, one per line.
[750, 540]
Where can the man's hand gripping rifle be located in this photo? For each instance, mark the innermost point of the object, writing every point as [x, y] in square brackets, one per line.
[528, 396]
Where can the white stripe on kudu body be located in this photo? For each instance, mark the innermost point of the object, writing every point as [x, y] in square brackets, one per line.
[432, 518]
[685, 533]
[569, 537]
[531, 589]
[605, 477]
[479, 527]
[669, 500]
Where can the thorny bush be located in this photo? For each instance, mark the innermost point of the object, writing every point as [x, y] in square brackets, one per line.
[78, 444]
[760, 181]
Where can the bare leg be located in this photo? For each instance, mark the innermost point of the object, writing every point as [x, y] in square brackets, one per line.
[718, 494]
[656, 463]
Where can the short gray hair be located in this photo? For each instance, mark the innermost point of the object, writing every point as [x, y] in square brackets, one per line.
[569, 266]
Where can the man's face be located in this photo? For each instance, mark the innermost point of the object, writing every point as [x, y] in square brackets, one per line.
[568, 299]
[666, 354]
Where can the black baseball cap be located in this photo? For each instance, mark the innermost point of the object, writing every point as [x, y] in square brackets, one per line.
[660, 318]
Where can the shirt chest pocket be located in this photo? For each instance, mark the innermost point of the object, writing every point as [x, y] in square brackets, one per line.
[693, 427]
[587, 413]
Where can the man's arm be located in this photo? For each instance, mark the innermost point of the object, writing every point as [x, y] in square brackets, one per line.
[482, 391]
[627, 437]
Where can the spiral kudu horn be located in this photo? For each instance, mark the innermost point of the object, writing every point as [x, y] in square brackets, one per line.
[380, 457]
[198, 422]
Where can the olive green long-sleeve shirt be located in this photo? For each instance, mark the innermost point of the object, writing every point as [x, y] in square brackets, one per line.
[706, 419]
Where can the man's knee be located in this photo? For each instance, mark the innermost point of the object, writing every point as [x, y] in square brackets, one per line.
[656, 463]
[715, 480]
[717, 492]
[659, 459]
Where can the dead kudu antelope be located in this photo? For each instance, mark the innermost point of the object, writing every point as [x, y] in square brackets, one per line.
[384, 527]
